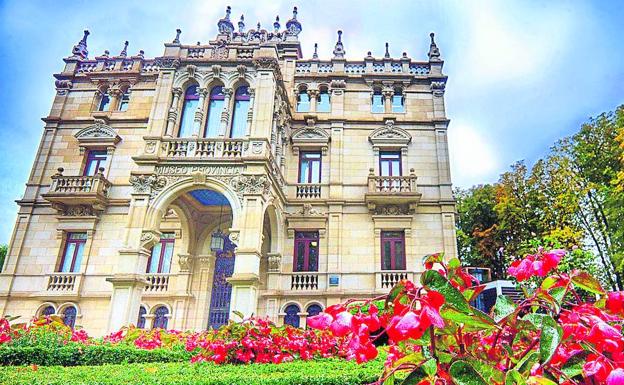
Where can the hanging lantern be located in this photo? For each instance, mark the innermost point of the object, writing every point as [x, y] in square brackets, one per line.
[216, 241]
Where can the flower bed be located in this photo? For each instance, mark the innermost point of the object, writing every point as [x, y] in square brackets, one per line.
[434, 336]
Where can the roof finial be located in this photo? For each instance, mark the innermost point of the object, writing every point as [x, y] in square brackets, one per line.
[339, 51]
[258, 26]
[315, 54]
[276, 24]
[434, 52]
[79, 51]
[177, 37]
[225, 25]
[124, 51]
[141, 54]
[293, 26]
[241, 24]
[387, 54]
[106, 53]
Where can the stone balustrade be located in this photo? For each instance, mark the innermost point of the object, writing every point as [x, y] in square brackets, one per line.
[386, 66]
[391, 184]
[303, 281]
[203, 148]
[308, 191]
[79, 184]
[157, 283]
[62, 282]
[387, 279]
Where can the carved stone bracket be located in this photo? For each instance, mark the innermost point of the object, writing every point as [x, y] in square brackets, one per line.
[274, 262]
[147, 184]
[149, 238]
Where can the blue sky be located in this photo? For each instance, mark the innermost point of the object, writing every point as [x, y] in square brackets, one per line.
[521, 73]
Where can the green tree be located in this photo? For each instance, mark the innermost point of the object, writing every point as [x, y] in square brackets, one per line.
[3, 253]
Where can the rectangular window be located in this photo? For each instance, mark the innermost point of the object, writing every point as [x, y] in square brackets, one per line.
[95, 160]
[104, 102]
[306, 254]
[390, 163]
[160, 260]
[310, 167]
[323, 104]
[397, 103]
[124, 102]
[377, 103]
[392, 250]
[72, 255]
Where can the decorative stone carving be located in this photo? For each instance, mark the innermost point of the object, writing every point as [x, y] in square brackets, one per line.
[293, 26]
[274, 262]
[149, 238]
[191, 69]
[339, 51]
[234, 236]
[389, 135]
[99, 130]
[437, 88]
[63, 86]
[250, 184]
[167, 62]
[310, 137]
[241, 69]
[78, 211]
[220, 51]
[392, 210]
[216, 70]
[146, 184]
[186, 262]
[225, 25]
[308, 211]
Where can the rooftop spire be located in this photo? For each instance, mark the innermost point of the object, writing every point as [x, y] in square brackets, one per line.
[79, 51]
[339, 51]
[387, 54]
[293, 26]
[225, 25]
[258, 27]
[124, 51]
[177, 37]
[315, 54]
[276, 24]
[241, 24]
[434, 52]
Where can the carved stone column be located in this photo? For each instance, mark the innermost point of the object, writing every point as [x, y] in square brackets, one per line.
[199, 113]
[388, 93]
[313, 95]
[172, 117]
[225, 114]
[252, 97]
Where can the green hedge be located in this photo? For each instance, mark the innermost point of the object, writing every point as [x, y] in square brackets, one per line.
[321, 372]
[77, 354]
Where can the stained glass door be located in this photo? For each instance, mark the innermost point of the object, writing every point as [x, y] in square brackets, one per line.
[221, 289]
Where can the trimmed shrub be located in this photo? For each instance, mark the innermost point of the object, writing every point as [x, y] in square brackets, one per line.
[77, 354]
[321, 372]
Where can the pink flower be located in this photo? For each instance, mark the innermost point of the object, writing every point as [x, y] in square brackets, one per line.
[320, 321]
[342, 324]
[616, 377]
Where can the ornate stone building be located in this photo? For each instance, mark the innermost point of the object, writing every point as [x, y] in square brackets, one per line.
[230, 176]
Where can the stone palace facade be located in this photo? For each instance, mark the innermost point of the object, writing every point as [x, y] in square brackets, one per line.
[232, 176]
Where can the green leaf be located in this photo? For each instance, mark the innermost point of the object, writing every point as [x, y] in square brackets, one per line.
[525, 364]
[432, 280]
[549, 339]
[389, 380]
[587, 282]
[463, 373]
[548, 282]
[535, 380]
[454, 263]
[574, 365]
[434, 258]
[558, 293]
[430, 367]
[476, 323]
[414, 358]
[396, 290]
[503, 308]
[414, 377]
[535, 319]
[514, 378]
[239, 314]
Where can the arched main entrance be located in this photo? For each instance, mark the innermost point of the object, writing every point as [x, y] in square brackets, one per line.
[221, 288]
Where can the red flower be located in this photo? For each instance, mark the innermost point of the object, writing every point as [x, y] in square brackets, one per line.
[342, 324]
[405, 327]
[616, 377]
[522, 269]
[615, 302]
[320, 321]
[535, 265]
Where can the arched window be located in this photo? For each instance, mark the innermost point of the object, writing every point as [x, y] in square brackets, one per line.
[377, 101]
[398, 101]
[69, 316]
[314, 309]
[323, 103]
[241, 107]
[141, 320]
[124, 102]
[303, 100]
[191, 102]
[104, 102]
[47, 311]
[292, 315]
[214, 112]
[160, 317]
[159, 262]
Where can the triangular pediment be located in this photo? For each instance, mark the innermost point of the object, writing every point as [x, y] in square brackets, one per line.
[310, 134]
[390, 134]
[98, 132]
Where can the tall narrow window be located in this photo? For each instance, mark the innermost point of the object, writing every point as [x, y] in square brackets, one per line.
[314, 309]
[215, 108]
[241, 107]
[398, 101]
[377, 101]
[104, 103]
[160, 259]
[69, 316]
[310, 167]
[191, 102]
[303, 101]
[306, 251]
[390, 163]
[72, 254]
[124, 102]
[323, 104]
[161, 318]
[95, 160]
[141, 320]
[48, 311]
[392, 250]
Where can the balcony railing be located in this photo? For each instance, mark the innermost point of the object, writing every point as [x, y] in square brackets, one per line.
[83, 193]
[203, 148]
[369, 66]
[61, 282]
[79, 184]
[392, 184]
[399, 192]
[157, 283]
[308, 191]
[304, 281]
[391, 278]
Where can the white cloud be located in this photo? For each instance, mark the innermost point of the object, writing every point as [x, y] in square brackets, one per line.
[473, 157]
